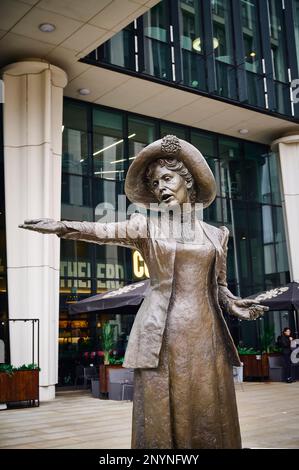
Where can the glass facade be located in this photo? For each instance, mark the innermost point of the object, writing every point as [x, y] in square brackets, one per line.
[244, 51]
[99, 144]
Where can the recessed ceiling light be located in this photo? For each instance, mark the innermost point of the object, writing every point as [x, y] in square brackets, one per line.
[47, 27]
[243, 131]
[84, 91]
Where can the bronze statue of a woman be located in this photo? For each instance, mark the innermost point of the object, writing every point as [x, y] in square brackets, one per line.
[179, 346]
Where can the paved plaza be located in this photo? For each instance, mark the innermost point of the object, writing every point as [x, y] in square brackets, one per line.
[269, 417]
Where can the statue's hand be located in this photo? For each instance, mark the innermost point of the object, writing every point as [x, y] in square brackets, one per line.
[247, 309]
[44, 226]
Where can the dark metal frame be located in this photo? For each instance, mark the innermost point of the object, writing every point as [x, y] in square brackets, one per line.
[210, 63]
[33, 321]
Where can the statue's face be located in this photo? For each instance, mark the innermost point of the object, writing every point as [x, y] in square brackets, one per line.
[168, 186]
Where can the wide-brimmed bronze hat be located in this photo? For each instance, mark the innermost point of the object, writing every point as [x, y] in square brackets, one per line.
[170, 146]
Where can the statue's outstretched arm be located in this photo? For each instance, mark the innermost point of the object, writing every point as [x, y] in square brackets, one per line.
[245, 309]
[129, 233]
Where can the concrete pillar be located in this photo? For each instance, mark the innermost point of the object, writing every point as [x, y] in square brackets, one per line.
[32, 164]
[288, 152]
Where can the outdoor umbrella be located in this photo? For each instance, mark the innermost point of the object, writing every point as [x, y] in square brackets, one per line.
[280, 298]
[132, 294]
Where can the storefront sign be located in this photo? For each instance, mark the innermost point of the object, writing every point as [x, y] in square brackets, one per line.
[140, 269]
[81, 269]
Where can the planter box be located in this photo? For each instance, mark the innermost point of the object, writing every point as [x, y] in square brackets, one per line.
[23, 385]
[104, 376]
[256, 365]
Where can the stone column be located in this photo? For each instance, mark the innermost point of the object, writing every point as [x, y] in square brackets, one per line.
[288, 152]
[32, 163]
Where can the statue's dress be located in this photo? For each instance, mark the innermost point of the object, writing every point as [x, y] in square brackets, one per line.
[188, 402]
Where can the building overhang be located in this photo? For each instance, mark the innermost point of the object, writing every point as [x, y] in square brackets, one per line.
[142, 96]
[80, 27]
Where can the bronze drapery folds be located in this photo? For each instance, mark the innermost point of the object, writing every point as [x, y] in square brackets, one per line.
[179, 346]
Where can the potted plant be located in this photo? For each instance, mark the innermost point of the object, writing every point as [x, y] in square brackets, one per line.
[19, 383]
[110, 361]
[256, 363]
[107, 340]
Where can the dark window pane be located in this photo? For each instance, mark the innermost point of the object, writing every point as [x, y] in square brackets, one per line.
[296, 25]
[222, 31]
[213, 213]
[282, 94]
[105, 192]
[255, 227]
[231, 169]
[169, 129]
[239, 230]
[142, 132]
[274, 178]
[155, 22]
[75, 115]
[108, 148]
[251, 36]
[278, 40]
[255, 89]
[206, 145]
[75, 198]
[157, 60]
[157, 54]
[119, 50]
[226, 80]
[75, 158]
[194, 70]
[256, 167]
[191, 41]
[279, 237]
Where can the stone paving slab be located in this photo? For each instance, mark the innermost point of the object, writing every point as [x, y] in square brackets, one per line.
[269, 417]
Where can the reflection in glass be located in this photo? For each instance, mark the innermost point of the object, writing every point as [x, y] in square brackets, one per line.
[143, 132]
[223, 48]
[278, 40]
[222, 31]
[107, 191]
[191, 41]
[279, 237]
[169, 129]
[257, 173]
[75, 157]
[204, 142]
[119, 50]
[155, 22]
[251, 36]
[112, 269]
[157, 51]
[255, 231]
[75, 115]
[274, 178]
[268, 234]
[108, 148]
[76, 198]
[231, 169]
[75, 266]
